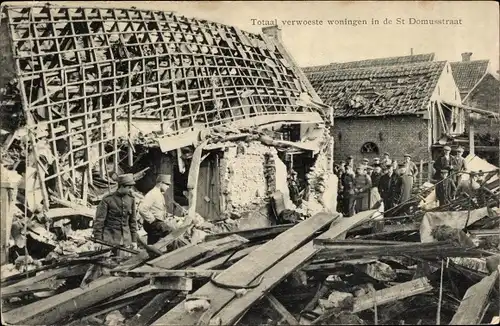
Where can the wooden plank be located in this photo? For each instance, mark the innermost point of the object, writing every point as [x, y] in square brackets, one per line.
[394, 293]
[232, 311]
[229, 258]
[380, 297]
[150, 272]
[282, 310]
[56, 272]
[172, 283]
[18, 290]
[55, 308]
[254, 233]
[146, 315]
[248, 269]
[474, 301]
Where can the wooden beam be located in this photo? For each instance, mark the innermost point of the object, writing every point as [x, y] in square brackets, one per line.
[248, 269]
[381, 297]
[474, 301]
[281, 309]
[59, 306]
[150, 272]
[232, 311]
[254, 233]
[18, 290]
[172, 283]
[147, 314]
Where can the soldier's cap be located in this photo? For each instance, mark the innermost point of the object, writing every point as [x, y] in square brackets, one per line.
[350, 157]
[369, 167]
[376, 159]
[460, 149]
[401, 164]
[407, 155]
[360, 167]
[366, 160]
[385, 153]
[126, 179]
[164, 178]
[375, 165]
[447, 148]
[388, 165]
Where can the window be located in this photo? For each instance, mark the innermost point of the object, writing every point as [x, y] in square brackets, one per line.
[369, 147]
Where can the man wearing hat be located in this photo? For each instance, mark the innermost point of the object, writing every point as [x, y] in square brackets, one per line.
[350, 162]
[445, 188]
[376, 160]
[408, 175]
[385, 160]
[444, 161]
[461, 166]
[153, 210]
[115, 220]
[390, 187]
[362, 187]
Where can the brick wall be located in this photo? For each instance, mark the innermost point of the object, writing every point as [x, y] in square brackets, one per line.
[486, 96]
[400, 135]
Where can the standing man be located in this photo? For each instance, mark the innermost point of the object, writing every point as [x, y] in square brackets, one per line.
[390, 187]
[348, 191]
[461, 165]
[362, 186]
[445, 161]
[408, 175]
[385, 160]
[115, 220]
[445, 189]
[374, 192]
[153, 210]
[350, 162]
[365, 162]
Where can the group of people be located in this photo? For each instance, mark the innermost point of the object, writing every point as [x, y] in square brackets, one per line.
[384, 180]
[449, 170]
[118, 216]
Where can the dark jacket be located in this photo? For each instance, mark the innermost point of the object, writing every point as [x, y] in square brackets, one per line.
[441, 163]
[445, 191]
[348, 184]
[376, 178]
[116, 219]
[391, 189]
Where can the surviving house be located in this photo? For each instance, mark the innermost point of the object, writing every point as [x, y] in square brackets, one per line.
[394, 105]
[110, 91]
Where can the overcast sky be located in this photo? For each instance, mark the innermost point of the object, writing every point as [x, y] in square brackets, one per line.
[315, 45]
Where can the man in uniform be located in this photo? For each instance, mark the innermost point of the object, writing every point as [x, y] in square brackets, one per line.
[445, 161]
[408, 175]
[115, 220]
[445, 189]
[153, 210]
[348, 194]
[390, 187]
[365, 162]
[461, 166]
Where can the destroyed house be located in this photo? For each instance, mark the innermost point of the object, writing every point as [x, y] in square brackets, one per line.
[480, 91]
[395, 105]
[108, 91]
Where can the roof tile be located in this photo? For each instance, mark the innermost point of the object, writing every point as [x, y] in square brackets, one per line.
[468, 73]
[386, 90]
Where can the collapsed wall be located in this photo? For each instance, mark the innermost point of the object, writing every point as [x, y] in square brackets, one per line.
[251, 172]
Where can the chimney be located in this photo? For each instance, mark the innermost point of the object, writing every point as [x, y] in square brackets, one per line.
[466, 56]
[411, 51]
[272, 31]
